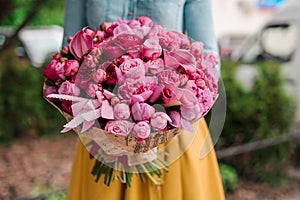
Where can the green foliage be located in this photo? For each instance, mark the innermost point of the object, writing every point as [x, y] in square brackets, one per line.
[59, 196]
[262, 112]
[24, 112]
[229, 177]
[50, 13]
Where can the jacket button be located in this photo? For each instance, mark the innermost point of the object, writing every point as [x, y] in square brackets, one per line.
[129, 13]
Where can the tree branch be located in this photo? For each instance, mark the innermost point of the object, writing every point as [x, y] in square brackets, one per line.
[34, 10]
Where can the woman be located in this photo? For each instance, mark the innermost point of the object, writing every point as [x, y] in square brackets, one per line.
[189, 177]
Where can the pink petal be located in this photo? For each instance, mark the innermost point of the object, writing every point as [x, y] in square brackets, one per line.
[156, 94]
[186, 125]
[107, 110]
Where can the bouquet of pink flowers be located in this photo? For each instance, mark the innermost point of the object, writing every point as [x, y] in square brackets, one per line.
[134, 83]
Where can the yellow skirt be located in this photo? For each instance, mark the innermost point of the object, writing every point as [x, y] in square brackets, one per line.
[189, 178]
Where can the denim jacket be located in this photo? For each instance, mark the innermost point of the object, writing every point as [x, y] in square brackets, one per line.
[193, 17]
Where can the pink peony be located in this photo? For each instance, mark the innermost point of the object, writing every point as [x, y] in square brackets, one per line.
[180, 57]
[176, 118]
[159, 121]
[92, 89]
[121, 111]
[145, 21]
[90, 61]
[141, 130]
[54, 70]
[119, 127]
[168, 78]
[192, 113]
[176, 40]
[81, 44]
[134, 24]
[186, 97]
[155, 66]
[142, 111]
[133, 68]
[133, 87]
[151, 49]
[197, 49]
[50, 90]
[210, 60]
[71, 67]
[82, 79]
[111, 51]
[126, 40]
[69, 88]
[168, 95]
[206, 99]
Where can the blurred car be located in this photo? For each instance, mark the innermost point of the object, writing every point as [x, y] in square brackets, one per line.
[278, 39]
[37, 43]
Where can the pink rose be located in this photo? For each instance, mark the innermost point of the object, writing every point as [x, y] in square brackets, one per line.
[81, 44]
[133, 68]
[155, 66]
[121, 111]
[159, 121]
[54, 70]
[168, 78]
[71, 67]
[69, 89]
[99, 75]
[119, 127]
[141, 130]
[151, 49]
[142, 111]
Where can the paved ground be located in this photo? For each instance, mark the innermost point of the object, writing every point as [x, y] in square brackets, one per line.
[30, 167]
